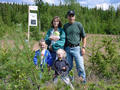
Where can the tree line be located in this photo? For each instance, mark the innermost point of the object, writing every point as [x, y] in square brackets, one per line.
[96, 21]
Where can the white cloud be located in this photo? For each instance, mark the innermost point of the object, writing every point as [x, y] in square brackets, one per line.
[50, 1]
[104, 6]
[83, 2]
[116, 5]
[56, 2]
[28, 0]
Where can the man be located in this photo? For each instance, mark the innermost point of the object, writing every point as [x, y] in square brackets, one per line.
[74, 33]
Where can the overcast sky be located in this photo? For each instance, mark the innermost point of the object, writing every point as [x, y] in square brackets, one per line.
[89, 3]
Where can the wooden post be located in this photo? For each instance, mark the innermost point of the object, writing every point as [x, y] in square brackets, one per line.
[28, 25]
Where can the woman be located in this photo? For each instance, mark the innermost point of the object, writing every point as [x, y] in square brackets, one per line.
[55, 38]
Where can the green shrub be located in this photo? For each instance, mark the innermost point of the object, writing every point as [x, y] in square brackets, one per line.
[17, 68]
[105, 59]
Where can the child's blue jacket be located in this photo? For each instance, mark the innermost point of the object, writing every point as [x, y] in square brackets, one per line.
[47, 55]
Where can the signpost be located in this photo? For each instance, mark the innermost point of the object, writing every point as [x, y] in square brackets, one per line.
[32, 18]
[34, 8]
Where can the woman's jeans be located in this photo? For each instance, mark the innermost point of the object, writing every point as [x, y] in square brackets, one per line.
[53, 54]
[75, 52]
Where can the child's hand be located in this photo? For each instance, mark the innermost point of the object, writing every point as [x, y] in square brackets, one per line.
[55, 38]
[51, 37]
[63, 68]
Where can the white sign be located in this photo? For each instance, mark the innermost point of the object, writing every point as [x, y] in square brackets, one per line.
[32, 19]
[33, 8]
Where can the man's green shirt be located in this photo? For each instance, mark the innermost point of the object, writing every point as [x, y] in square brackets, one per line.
[74, 32]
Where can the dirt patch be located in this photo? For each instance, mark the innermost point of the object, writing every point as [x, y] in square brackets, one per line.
[90, 39]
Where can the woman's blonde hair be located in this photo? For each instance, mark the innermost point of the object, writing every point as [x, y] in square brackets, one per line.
[61, 51]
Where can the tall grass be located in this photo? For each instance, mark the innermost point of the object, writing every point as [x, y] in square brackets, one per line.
[17, 71]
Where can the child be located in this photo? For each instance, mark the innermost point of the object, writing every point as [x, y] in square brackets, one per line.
[56, 35]
[61, 68]
[42, 56]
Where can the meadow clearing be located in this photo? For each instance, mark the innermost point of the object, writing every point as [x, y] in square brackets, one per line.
[102, 64]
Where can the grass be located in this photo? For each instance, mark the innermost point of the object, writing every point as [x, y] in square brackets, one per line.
[19, 73]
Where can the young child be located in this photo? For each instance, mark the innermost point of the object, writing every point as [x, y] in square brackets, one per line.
[61, 68]
[56, 35]
[42, 56]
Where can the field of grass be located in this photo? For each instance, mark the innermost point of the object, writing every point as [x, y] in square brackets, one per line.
[17, 72]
